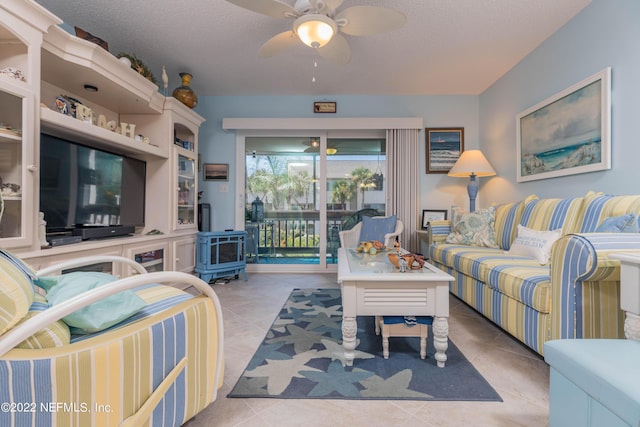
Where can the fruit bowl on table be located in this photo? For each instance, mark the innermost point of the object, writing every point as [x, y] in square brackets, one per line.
[371, 247]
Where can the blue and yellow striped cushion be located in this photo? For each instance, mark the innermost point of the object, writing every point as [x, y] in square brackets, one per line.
[553, 214]
[54, 335]
[118, 372]
[16, 294]
[599, 207]
[508, 217]
[520, 278]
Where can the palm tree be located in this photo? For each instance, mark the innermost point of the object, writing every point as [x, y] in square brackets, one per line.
[342, 191]
[362, 178]
[258, 183]
[268, 180]
[299, 185]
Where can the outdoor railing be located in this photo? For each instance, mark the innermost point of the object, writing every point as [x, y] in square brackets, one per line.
[296, 231]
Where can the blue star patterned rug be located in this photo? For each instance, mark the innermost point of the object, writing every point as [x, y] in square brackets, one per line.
[302, 358]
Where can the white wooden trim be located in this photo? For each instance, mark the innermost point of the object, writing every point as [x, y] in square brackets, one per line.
[316, 123]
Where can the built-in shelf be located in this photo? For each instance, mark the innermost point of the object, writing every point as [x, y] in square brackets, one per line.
[15, 86]
[56, 63]
[8, 137]
[70, 63]
[63, 126]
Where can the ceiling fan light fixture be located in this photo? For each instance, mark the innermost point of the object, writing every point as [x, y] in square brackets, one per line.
[315, 30]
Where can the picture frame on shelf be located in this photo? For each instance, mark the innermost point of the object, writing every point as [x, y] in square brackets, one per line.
[216, 171]
[568, 133]
[85, 35]
[443, 148]
[432, 215]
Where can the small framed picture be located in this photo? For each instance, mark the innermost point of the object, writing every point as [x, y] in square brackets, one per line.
[216, 171]
[443, 147]
[324, 107]
[432, 215]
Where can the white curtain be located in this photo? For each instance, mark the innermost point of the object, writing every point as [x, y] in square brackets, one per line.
[403, 180]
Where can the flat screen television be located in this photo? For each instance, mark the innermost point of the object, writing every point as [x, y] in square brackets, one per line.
[84, 186]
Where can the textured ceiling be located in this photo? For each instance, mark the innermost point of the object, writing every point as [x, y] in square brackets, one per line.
[447, 47]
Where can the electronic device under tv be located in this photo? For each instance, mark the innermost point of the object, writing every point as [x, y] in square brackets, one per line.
[89, 192]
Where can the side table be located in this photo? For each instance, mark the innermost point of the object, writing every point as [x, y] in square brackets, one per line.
[423, 242]
[630, 291]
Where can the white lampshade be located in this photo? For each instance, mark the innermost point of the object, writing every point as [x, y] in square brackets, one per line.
[315, 30]
[472, 162]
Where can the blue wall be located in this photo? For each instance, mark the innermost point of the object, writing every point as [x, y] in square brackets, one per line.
[605, 33]
[218, 146]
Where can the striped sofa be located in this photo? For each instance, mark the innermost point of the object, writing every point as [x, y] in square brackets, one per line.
[159, 367]
[575, 295]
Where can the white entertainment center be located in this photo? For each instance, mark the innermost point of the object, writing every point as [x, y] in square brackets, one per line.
[122, 113]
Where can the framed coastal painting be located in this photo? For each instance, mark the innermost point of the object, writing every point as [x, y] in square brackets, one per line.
[216, 172]
[568, 133]
[432, 215]
[443, 147]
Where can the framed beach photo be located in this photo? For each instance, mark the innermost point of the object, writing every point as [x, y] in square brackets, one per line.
[443, 147]
[432, 215]
[568, 133]
[216, 171]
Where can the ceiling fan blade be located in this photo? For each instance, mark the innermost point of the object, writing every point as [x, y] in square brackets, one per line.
[273, 8]
[278, 43]
[368, 20]
[337, 50]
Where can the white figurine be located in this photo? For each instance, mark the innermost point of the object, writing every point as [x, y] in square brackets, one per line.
[165, 80]
[42, 228]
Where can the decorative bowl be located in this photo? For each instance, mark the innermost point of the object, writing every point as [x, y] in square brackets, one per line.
[394, 257]
[414, 261]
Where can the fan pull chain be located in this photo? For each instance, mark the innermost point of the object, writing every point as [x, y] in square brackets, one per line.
[315, 66]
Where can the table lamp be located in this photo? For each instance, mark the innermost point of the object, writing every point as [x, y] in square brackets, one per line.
[472, 163]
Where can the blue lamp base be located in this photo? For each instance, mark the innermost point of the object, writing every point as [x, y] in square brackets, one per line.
[472, 189]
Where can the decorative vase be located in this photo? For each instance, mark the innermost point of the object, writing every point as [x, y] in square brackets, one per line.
[184, 93]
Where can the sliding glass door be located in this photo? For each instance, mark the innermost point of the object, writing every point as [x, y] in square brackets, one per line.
[355, 171]
[282, 214]
[300, 191]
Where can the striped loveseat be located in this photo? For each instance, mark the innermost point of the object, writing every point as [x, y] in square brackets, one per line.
[159, 367]
[575, 295]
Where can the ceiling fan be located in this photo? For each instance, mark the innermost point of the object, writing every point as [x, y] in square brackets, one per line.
[314, 147]
[318, 24]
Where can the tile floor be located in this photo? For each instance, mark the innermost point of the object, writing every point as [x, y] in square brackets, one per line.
[519, 375]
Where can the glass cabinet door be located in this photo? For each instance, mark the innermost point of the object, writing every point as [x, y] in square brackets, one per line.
[151, 260]
[11, 166]
[186, 192]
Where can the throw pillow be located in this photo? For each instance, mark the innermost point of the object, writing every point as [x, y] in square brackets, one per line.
[375, 228]
[619, 224]
[97, 316]
[54, 335]
[473, 228]
[534, 244]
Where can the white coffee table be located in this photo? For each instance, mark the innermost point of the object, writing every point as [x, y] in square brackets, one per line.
[372, 286]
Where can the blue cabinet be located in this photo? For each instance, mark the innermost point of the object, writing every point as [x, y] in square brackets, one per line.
[221, 254]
